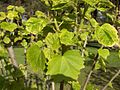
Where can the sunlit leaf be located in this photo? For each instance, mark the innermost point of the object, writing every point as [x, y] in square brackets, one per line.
[94, 23]
[107, 35]
[2, 16]
[35, 25]
[52, 41]
[91, 2]
[35, 58]
[6, 40]
[12, 14]
[48, 53]
[40, 14]
[20, 9]
[8, 26]
[84, 35]
[103, 53]
[68, 65]
[66, 37]
[10, 7]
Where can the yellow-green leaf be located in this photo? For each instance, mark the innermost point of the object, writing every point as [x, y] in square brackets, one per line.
[68, 65]
[2, 16]
[107, 35]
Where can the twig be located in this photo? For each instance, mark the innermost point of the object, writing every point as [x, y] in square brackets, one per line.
[111, 80]
[89, 75]
[12, 56]
[85, 43]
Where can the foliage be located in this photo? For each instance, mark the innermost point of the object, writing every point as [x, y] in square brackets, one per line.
[56, 42]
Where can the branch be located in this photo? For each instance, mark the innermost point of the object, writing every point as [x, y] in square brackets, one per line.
[111, 80]
[12, 56]
[90, 73]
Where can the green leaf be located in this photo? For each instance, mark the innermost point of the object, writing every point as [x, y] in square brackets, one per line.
[107, 35]
[91, 2]
[110, 85]
[39, 43]
[75, 85]
[20, 9]
[57, 2]
[3, 51]
[52, 41]
[94, 23]
[8, 26]
[10, 7]
[84, 35]
[35, 25]
[35, 58]
[103, 53]
[6, 40]
[12, 14]
[48, 53]
[2, 16]
[40, 14]
[24, 43]
[66, 37]
[68, 65]
[104, 5]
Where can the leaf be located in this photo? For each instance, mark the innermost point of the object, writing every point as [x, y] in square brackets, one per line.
[10, 7]
[8, 26]
[110, 85]
[75, 85]
[20, 9]
[104, 5]
[66, 37]
[48, 53]
[94, 23]
[6, 40]
[35, 58]
[104, 53]
[3, 51]
[52, 41]
[24, 43]
[57, 2]
[107, 35]
[68, 65]
[35, 25]
[91, 2]
[12, 14]
[39, 43]
[84, 35]
[40, 14]
[2, 16]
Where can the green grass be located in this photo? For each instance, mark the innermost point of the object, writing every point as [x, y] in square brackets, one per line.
[19, 54]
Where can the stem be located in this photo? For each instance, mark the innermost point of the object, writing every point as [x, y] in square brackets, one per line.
[85, 43]
[111, 80]
[90, 73]
[62, 85]
[56, 25]
[53, 86]
[12, 56]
